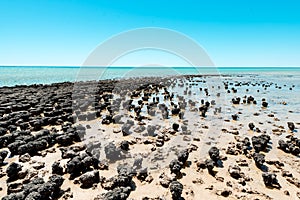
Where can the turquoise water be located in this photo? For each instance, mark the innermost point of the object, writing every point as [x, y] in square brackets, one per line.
[27, 75]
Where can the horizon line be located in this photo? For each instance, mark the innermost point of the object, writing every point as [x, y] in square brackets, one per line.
[127, 66]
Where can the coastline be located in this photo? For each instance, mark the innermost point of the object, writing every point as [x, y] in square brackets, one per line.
[114, 118]
[28, 75]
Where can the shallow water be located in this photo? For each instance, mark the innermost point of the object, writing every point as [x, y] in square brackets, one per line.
[27, 75]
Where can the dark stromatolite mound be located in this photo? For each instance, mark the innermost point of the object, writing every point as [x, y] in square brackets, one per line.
[270, 180]
[250, 99]
[71, 152]
[236, 100]
[14, 187]
[181, 115]
[176, 190]
[117, 119]
[260, 143]
[32, 147]
[290, 146]
[3, 155]
[142, 175]
[251, 126]
[183, 155]
[165, 180]
[74, 166]
[107, 119]
[291, 126]
[259, 159]
[89, 178]
[175, 166]
[283, 145]
[209, 164]
[3, 131]
[15, 196]
[214, 154]
[175, 126]
[57, 168]
[68, 138]
[119, 183]
[38, 189]
[13, 170]
[22, 142]
[235, 171]
[126, 129]
[203, 110]
[7, 139]
[113, 153]
[81, 164]
[151, 130]
[175, 111]
[124, 145]
[235, 117]
[24, 106]
[265, 104]
[119, 193]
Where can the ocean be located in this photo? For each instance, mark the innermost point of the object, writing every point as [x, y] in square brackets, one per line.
[28, 75]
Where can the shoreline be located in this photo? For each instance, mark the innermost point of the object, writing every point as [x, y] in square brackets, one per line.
[128, 79]
[152, 138]
[11, 76]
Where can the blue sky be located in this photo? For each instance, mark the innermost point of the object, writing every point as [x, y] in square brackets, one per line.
[233, 32]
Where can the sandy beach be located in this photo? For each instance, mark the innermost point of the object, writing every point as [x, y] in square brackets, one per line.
[184, 137]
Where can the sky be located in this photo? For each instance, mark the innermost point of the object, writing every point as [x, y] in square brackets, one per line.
[232, 32]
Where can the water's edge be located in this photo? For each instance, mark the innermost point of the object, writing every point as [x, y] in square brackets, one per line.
[28, 75]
